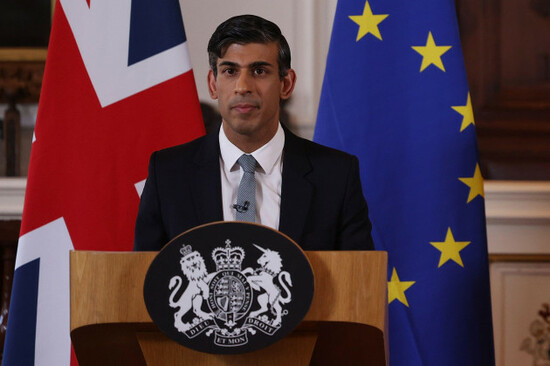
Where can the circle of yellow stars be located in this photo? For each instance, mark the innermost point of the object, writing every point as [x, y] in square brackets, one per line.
[431, 53]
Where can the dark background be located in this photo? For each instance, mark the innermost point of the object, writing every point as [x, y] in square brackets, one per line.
[25, 23]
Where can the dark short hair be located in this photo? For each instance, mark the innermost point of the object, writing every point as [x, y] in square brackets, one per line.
[245, 29]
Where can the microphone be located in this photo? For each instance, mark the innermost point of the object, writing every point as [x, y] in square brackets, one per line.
[241, 208]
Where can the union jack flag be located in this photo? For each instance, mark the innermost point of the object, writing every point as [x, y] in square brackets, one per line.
[117, 86]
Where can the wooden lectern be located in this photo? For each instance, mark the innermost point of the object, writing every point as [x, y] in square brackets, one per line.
[345, 324]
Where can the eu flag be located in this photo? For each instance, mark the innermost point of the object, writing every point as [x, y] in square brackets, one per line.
[395, 94]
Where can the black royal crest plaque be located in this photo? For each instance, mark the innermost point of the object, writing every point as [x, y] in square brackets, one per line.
[229, 287]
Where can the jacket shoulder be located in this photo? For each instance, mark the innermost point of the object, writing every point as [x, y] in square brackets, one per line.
[316, 151]
[185, 148]
[201, 148]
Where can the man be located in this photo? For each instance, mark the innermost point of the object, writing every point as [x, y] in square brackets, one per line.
[305, 190]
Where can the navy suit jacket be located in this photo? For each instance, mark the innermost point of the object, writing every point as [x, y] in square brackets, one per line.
[322, 204]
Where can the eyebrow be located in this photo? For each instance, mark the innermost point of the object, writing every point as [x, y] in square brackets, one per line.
[254, 64]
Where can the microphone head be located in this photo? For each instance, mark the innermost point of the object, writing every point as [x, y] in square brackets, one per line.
[241, 208]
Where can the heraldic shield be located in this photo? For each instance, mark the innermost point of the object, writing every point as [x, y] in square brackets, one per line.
[229, 287]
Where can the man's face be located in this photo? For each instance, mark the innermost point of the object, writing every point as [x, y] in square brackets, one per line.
[248, 89]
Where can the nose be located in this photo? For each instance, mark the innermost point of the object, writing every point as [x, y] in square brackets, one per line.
[243, 84]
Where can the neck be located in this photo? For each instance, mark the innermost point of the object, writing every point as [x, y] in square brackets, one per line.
[249, 143]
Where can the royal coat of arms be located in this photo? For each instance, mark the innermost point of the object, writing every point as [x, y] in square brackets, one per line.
[229, 287]
[221, 303]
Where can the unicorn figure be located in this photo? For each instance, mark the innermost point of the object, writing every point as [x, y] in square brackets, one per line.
[262, 279]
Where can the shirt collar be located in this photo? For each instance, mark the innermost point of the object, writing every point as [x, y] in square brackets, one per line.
[266, 156]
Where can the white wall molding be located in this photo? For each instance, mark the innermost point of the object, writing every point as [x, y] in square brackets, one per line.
[518, 217]
[513, 200]
[12, 196]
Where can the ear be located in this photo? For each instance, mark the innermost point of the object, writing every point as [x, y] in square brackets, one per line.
[287, 84]
[212, 89]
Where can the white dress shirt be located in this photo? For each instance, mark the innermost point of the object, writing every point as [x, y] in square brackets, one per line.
[268, 178]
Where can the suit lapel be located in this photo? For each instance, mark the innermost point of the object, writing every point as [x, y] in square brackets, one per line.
[296, 190]
[207, 182]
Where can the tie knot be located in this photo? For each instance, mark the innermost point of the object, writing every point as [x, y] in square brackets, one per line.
[247, 162]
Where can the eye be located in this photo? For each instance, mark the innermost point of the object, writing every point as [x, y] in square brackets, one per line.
[260, 71]
[228, 71]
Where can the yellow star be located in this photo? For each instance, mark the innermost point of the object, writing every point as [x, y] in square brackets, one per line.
[450, 249]
[475, 183]
[397, 288]
[467, 113]
[368, 22]
[431, 53]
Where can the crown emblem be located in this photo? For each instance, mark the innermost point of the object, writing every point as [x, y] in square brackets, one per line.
[228, 257]
[186, 250]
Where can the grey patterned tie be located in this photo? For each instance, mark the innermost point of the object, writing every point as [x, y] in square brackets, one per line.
[246, 197]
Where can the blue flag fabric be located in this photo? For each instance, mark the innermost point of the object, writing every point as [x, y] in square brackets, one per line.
[395, 94]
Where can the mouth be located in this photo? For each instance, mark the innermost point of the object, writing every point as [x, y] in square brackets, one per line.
[244, 108]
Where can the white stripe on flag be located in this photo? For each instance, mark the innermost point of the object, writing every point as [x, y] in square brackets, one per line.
[106, 58]
[139, 187]
[51, 243]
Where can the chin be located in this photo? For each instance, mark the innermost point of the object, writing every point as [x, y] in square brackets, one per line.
[243, 126]
[246, 130]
